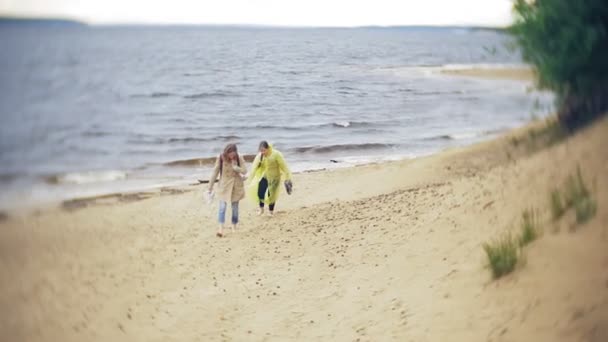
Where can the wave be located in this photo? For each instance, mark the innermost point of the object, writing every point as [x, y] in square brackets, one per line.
[342, 148]
[466, 135]
[434, 93]
[335, 124]
[95, 134]
[212, 94]
[190, 96]
[355, 124]
[208, 161]
[460, 136]
[8, 177]
[154, 95]
[145, 140]
[192, 139]
[87, 177]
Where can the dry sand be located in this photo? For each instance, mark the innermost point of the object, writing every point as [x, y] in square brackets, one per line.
[387, 252]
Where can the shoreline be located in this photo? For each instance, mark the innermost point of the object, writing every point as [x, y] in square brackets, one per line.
[124, 197]
[515, 73]
[182, 173]
[117, 197]
[162, 185]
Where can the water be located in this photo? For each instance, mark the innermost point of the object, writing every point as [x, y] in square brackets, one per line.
[89, 110]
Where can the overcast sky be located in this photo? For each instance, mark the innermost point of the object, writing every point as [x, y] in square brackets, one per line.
[271, 12]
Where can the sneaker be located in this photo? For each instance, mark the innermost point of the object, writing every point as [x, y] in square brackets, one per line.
[260, 211]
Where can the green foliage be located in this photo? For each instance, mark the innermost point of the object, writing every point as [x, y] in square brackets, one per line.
[530, 227]
[566, 40]
[576, 195]
[502, 255]
[585, 210]
[540, 137]
[576, 190]
[557, 207]
[567, 43]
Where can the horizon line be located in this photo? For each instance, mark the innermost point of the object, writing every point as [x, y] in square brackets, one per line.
[243, 25]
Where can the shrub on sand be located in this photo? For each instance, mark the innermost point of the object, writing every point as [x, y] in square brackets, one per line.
[502, 255]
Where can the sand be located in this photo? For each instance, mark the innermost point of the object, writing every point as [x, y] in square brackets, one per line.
[385, 252]
[515, 73]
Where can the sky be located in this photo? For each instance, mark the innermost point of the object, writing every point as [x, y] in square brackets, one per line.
[270, 12]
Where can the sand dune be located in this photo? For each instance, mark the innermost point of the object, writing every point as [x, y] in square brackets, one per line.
[380, 252]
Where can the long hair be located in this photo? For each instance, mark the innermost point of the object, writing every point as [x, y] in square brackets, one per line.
[229, 149]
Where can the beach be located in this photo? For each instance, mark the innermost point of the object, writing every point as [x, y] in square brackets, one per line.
[519, 73]
[388, 251]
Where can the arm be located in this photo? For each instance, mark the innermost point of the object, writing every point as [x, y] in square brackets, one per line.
[254, 166]
[283, 166]
[240, 169]
[216, 171]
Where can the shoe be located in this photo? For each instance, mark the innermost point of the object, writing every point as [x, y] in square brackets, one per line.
[260, 211]
[288, 187]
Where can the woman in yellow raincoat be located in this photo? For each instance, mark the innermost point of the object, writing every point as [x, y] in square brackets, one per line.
[265, 178]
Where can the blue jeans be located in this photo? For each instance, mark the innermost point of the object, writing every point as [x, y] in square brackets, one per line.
[221, 217]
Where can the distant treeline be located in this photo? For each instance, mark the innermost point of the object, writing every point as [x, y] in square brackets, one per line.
[436, 28]
[12, 21]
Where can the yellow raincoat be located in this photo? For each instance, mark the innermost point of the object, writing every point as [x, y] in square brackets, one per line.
[271, 168]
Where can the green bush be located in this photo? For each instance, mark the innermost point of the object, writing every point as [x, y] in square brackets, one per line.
[567, 43]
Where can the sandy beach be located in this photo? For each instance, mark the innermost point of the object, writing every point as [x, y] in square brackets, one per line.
[515, 73]
[389, 252]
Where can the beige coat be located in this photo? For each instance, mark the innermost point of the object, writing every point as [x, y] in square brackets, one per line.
[231, 187]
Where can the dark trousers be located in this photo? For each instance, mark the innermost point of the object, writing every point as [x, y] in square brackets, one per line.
[262, 188]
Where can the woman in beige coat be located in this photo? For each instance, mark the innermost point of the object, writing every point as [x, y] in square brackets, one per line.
[231, 167]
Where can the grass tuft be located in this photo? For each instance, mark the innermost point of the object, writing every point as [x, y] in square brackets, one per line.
[557, 206]
[585, 210]
[502, 255]
[530, 227]
[578, 196]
